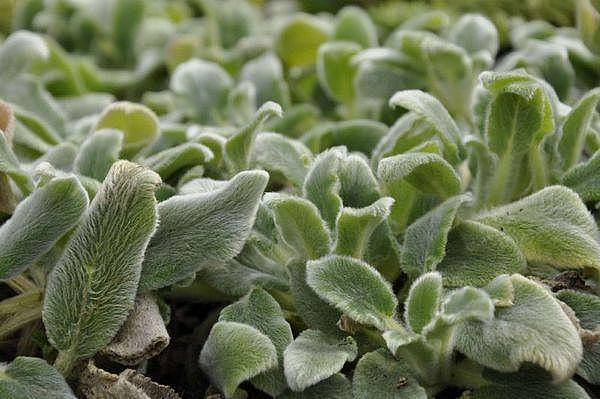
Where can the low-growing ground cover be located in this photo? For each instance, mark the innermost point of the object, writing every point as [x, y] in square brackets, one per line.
[230, 199]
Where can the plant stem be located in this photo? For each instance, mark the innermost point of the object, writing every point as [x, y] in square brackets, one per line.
[64, 363]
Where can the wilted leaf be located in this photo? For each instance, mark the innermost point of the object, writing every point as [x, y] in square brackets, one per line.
[142, 336]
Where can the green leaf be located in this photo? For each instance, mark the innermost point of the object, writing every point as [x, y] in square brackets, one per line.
[201, 185]
[335, 71]
[353, 24]
[467, 303]
[94, 284]
[353, 287]
[355, 226]
[28, 377]
[98, 152]
[299, 224]
[535, 330]
[587, 309]
[18, 51]
[199, 230]
[475, 33]
[315, 356]
[322, 185]
[379, 375]
[138, 123]
[483, 166]
[298, 41]
[423, 301]
[428, 107]
[266, 74]
[588, 24]
[235, 279]
[9, 164]
[501, 291]
[202, 88]
[171, 161]
[259, 310]
[551, 226]
[425, 240]
[278, 154]
[360, 135]
[519, 116]
[575, 128]
[476, 253]
[358, 186]
[38, 222]
[335, 387]
[527, 385]
[427, 172]
[408, 132]
[583, 179]
[239, 146]
[234, 353]
[313, 310]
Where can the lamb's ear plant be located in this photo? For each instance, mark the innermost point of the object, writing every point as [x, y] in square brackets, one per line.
[240, 199]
